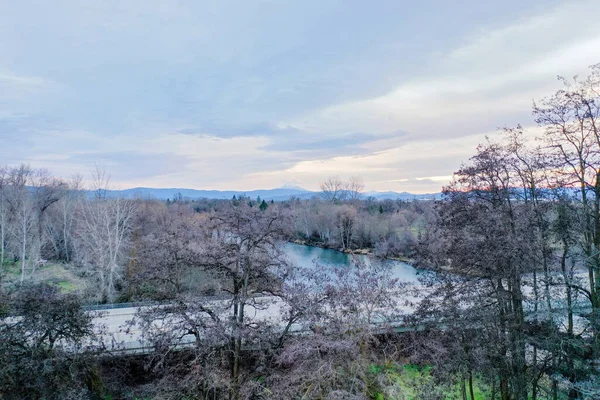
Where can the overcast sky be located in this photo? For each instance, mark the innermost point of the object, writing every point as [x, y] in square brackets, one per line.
[260, 94]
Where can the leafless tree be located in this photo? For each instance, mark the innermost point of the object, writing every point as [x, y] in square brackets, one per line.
[333, 189]
[45, 190]
[37, 357]
[67, 207]
[23, 215]
[354, 188]
[59, 226]
[4, 214]
[103, 235]
[240, 249]
[484, 233]
[244, 251]
[571, 119]
[346, 217]
[348, 310]
[166, 251]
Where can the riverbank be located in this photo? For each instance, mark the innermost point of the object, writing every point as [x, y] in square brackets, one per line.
[359, 252]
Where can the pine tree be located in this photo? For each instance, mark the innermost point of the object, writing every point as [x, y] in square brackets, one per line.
[263, 205]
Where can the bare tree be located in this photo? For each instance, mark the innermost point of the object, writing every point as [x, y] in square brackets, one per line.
[4, 174]
[67, 209]
[333, 189]
[243, 250]
[166, 251]
[59, 226]
[42, 351]
[354, 188]
[103, 235]
[349, 310]
[240, 249]
[571, 120]
[22, 214]
[45, 190]
[531, 168]
[346, 217]
[484, 234]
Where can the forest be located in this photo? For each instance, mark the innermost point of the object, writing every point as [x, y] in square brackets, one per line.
[507, 307]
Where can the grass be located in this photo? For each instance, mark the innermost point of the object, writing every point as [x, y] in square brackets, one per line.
[411, 382]
[67, 286]
[11, 270]
[55, 273]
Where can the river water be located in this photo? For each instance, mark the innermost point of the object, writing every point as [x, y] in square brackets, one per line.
[307, 256]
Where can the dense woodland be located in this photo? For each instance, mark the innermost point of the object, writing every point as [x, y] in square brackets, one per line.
[508, 306]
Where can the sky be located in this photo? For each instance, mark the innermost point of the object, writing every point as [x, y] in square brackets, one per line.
[246, 94]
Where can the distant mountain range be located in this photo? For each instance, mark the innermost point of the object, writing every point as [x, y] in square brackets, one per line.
[403, 196]
[279, 194]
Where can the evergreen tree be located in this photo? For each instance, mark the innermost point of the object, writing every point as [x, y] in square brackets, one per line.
[263, 205]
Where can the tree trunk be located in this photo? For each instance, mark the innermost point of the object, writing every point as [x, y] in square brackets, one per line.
[463, 388]
[567, 279]
[240, 296]
[2, 235]
[547, 279]
[504, 394]
[235, 378]
[65, 235]
[534, 383]
[23, 249]
[471, 392]
[236, 345]
[517, 338]
[536, 295]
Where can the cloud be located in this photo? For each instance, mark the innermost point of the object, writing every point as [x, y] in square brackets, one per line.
[8, 79]
[297, 144]
[240, 95]
[251, 130]
[487, 82]
[419, 166]
[132, 166]
[325, 145]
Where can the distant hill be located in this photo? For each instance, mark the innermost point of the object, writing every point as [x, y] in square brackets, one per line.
[403, 196]
[279, 194]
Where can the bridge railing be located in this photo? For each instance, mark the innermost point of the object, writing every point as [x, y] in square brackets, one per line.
[136, 304]
[114, 306]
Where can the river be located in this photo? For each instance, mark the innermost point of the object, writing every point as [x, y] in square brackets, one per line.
[306, 256]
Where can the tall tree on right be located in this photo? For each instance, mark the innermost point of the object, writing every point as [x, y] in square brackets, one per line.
[571, 121]
[481, 237]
